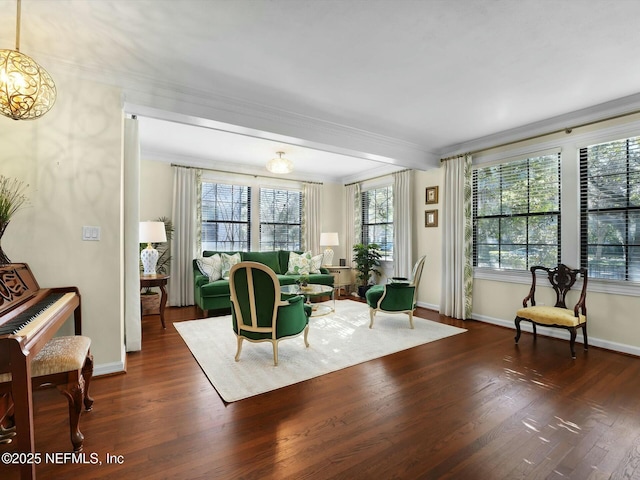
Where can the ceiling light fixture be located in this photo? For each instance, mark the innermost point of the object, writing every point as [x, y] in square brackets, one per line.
[27, 91]
[280, 164]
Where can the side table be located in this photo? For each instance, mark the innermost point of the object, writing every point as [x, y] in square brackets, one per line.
[157, 280]
[341, 277]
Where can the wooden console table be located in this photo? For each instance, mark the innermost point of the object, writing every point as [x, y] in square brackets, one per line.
[157, 280]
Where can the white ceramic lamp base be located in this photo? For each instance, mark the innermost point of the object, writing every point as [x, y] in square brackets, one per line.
[149, 257]
[327, 259]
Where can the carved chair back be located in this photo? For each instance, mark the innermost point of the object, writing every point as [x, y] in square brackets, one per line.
[561, 278]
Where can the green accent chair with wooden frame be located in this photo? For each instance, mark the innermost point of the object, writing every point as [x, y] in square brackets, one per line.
[258, 312]
[397, 296]
[561, 279]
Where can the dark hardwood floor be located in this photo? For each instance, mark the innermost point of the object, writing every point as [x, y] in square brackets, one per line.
[472, 406]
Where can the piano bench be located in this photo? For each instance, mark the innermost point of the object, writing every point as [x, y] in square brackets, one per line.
[67, 363]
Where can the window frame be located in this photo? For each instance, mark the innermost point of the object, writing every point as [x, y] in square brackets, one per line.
[296, 246]
[585, 211]
[233, 222]
[527, 215]
[388, 223]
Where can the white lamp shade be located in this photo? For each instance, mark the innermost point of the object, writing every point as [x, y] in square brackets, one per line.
[329, 239]
[152, 232]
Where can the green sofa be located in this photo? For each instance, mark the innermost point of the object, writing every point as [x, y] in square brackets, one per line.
[215, 295]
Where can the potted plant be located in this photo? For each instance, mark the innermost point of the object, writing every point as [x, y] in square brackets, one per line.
[367, 260]
[12, 197]
[150, 299]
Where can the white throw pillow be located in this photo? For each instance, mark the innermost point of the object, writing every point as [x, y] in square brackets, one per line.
[211, 266]
[299, 264]
[229, 261]
[316, 263]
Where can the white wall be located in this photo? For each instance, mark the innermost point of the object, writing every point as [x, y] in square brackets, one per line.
[72, 160]
[333, 217]
[428, 240]
[156, 190]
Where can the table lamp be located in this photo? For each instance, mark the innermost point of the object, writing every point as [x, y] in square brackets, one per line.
[328, 240]
[151, 232]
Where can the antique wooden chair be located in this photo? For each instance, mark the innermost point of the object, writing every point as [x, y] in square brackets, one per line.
[67, 363]
[397, 296]
[561, 278]
[258, 312]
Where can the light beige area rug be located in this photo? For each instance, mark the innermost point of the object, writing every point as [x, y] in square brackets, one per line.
[337, 341]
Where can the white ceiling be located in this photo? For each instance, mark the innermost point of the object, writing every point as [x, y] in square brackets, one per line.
[397, 81]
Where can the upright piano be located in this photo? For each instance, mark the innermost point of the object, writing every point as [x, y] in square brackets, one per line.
[29, 317]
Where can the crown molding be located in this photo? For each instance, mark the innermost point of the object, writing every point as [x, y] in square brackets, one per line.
[596, 113]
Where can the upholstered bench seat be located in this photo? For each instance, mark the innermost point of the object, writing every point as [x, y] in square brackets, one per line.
[546, 315]
[60, 354]
[67, 363]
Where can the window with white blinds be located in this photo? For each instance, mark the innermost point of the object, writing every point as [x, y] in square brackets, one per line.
[610, 209]
[226, 214]
[516, 213]
[280, 219]
[377, 219]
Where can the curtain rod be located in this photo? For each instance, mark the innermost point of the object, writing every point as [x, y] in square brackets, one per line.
[254, 175]
[379, 176]
[566, 130]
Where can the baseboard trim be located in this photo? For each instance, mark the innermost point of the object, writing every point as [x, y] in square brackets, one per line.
[109, 368]
[548, 332]
[561, 334]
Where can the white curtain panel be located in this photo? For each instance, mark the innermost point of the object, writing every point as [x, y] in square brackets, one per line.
[457, 268]
[132, 321]
[312, 194]
[185, 245]
[353, 219]
[402, 223]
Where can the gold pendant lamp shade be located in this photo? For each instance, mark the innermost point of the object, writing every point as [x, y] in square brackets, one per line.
[27, 91]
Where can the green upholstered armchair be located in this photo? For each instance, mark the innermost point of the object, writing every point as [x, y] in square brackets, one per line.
[258, 312]
[396, 297]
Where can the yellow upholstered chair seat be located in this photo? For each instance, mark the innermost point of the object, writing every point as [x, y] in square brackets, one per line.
[67, 363]
[545, 315]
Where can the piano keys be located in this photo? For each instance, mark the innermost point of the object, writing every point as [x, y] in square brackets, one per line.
[29, 317]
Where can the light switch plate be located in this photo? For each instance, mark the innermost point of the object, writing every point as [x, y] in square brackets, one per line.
[90, 233]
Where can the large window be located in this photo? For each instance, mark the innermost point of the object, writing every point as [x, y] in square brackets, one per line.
[226, 214]
[610, 209]
[377, 219]
[516, 213]
[280, 219]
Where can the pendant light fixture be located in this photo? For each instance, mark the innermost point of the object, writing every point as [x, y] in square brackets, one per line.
[280, 164]
[27, 91]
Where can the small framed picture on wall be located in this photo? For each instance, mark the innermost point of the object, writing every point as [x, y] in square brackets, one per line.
[431, 218]
[431, 195]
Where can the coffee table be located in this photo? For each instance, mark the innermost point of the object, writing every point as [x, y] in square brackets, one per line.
[312, 290]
